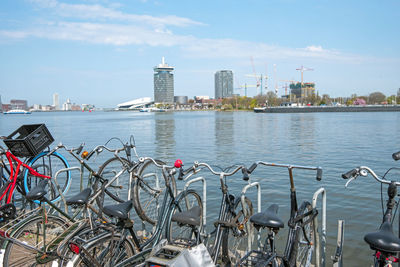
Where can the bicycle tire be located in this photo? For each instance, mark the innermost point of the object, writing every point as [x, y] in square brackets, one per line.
[235, 240]
[105, 253]
[304, 243]
[49, 167]
[118, 190]
[31, 232]
[149, 190]
[184, 233]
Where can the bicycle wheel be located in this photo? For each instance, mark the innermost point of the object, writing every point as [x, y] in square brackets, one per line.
[238, 240]
[106, 251]
[177, 232]
[49, 165]
[304, 246]
[118, 189]
[149, 191]
[37, 233]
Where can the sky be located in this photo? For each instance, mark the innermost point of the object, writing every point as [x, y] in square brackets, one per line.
[103, 52]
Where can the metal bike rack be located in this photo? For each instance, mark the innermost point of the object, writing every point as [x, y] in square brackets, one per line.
[338, 257]
[320, 255]
[242, 198]
[203, 180]
[58, 186]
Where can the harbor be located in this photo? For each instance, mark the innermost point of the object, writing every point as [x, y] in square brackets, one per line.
[312, 109]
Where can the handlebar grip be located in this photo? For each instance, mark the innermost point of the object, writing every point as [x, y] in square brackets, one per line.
[245, 174]
[396, 156]
[350, 174]
[90, 154]
[319, 174]
[252, 168]
[79, 149]
[128, 150]
[184, 172]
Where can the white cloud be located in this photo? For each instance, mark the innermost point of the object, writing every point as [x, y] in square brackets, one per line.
[104, 25]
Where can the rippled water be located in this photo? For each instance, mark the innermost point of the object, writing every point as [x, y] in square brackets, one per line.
[335, 141]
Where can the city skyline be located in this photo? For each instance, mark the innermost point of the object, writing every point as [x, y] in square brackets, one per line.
[103, 52]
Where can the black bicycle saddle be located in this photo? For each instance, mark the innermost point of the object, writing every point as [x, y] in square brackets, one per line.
[37, 192]
[268, 218]
[190, 217]
[119, 210]
[384, 239]
[81, 198]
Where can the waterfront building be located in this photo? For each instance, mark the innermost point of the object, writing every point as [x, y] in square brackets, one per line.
[307, 90]
[139, 103]
[67, 105]
[223, 84]
[163, 83]
[56, 103]
[181, 100]
[19, 104]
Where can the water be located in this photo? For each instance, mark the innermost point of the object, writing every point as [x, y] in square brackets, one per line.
[335, 141]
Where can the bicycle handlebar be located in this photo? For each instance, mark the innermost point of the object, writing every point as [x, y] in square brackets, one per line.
[363, 171]
[288, 166]
[222, 173]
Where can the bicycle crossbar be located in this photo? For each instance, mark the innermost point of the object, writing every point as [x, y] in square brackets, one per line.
[204, 200]
[320, 253]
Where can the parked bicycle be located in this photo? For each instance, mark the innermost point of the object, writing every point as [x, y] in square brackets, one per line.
[384, 242]
[300, 240]
[118, 245]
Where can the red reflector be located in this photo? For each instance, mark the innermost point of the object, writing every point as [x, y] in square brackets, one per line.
[4, 234]
[74, 248]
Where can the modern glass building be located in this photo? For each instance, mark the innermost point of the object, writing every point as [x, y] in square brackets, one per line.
[163, 83]
[223, 84]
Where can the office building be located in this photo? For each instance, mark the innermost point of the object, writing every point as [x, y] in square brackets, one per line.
[19, 104]
[163, 83]
[56, 103]
[223, 84]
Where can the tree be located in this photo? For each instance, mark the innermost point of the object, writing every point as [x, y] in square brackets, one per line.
[376, 98]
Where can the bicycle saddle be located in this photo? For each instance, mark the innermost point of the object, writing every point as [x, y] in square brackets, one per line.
[119, 210]
[81, 198]
[384, 239]
[268, 218]
[190, 217]
[37, 192]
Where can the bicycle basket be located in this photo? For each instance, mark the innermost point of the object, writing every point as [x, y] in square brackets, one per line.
[29, 140]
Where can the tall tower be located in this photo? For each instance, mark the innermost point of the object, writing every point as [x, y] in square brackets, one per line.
[56, 103]
[163, 83]
[223, 84]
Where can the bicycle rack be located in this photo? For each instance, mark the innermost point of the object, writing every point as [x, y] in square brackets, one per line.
[203, 180]
[58, 186]
[242, 198]
[320, 255]
[338, 257]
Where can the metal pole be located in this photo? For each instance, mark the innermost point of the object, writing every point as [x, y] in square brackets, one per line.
[320, 254]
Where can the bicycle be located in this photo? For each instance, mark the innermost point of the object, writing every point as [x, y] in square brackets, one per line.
[384, 242]
[300, 239]
[11, 179]
[53, 239]
[118, 244]
[233, 233]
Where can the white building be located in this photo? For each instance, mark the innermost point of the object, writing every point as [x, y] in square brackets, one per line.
[67, 105]
[56, 103]
[135, 104]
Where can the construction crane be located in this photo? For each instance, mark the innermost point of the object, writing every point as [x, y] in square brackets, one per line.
[259, 77]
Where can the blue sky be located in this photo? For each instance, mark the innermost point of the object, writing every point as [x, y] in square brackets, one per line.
[103, 52]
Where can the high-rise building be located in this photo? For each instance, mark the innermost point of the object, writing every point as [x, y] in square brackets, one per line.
[163, 83]
[223, 84]
[56, 103]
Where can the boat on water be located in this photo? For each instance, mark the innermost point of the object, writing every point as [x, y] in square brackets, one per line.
[17, 111]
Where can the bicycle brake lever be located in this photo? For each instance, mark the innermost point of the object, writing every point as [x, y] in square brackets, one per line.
[349, 181]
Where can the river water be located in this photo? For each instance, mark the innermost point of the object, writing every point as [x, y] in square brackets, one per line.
[335, 141]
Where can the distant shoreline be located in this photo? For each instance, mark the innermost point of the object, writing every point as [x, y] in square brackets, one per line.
[311, 109]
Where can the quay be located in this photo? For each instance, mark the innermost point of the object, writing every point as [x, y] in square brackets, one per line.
[309, 109]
